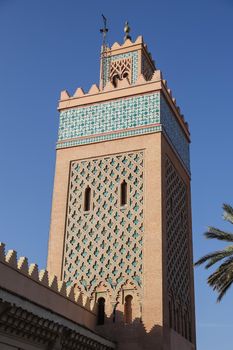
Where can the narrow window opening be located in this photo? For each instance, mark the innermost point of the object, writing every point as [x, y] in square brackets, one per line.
[101, 311]
[128, 309]
[115, 79]
[87, 199]
[123, 193]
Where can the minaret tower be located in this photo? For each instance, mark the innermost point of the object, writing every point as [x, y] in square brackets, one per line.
[121, 213]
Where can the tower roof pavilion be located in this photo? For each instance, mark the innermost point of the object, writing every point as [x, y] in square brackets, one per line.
[126, 70]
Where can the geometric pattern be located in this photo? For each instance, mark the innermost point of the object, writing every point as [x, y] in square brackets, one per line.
[174, 132]
[105, 244]
[120, 70]
[107, 63]
[147, 70]
[178, 257]
[110, 136]
[109, 116]
[109, 120]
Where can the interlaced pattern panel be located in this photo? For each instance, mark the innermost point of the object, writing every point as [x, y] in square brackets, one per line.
[105, 244]
[147, 70]
[121, 69]
[178, 258]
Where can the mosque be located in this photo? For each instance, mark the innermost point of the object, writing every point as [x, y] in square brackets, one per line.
[119, 270]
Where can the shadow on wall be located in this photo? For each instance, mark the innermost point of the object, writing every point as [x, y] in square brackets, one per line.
[129, 334]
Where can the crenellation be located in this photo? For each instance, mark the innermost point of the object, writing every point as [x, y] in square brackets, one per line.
[44, 277]
[64, 95]
[94, 89]
[70, 293]
[79, 92]
[11, 258]
[2, 252]
[79, 298]
[115, 46]
[34, 272]
[123, 84]
[62, 287]
[127, 43]
[53, 282]
[93, 306]
[87, 304]
[22, 265]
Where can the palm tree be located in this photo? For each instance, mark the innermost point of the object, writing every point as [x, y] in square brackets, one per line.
[222, 278]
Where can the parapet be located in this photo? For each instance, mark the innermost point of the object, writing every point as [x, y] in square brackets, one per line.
[123, 90]
[26, 281]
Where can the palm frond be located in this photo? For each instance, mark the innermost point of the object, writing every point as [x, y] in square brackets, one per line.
[222, 278]
[224, 288]
[218, 276]
[215, 257]
[214, 232]
[228, 213]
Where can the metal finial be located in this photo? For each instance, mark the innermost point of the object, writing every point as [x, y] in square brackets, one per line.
[104, 30]
[127, 31]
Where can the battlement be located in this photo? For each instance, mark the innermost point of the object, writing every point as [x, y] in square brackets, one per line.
[128, 43]
[126, 70]
[25, 280]
[124, 89]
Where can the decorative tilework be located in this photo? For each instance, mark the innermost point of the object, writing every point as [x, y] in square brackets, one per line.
[174, 132]
[108, 121]
[178, 256]
[112, 116]
[107, 63]
[111, 136]
[147, 70]
[105, 243]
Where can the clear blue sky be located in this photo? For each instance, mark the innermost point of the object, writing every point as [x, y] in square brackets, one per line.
[50, 45]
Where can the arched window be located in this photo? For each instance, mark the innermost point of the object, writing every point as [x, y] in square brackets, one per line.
[101, 311]
[123, 193]
[87, 199]
[115, 80]
[128, 309]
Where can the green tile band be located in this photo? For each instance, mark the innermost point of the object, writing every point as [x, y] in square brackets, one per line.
[109, 121]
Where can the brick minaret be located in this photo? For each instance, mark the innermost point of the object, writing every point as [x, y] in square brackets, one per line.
[121, 213]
